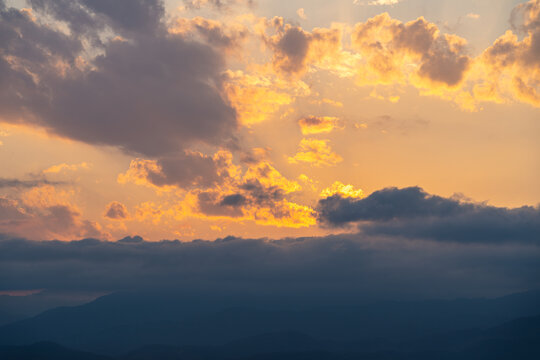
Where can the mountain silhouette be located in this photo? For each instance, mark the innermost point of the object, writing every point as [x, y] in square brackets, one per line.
[518, 339]
[118, 323]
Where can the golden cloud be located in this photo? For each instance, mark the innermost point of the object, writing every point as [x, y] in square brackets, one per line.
[318, 125]
[394, 52]
[339, 188]
[316, 153]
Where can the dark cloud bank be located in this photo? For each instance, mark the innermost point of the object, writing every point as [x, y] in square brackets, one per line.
[413, 213]
[148, 91]
[343, 268]
[410, 244]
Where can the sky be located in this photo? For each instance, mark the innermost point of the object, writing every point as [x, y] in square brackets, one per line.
[387, 139]
[206, 118]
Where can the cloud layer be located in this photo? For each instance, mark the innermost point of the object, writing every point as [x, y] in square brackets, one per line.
[413, 213]
[347, 267]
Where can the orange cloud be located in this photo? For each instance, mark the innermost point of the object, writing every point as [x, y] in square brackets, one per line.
[317, 125]
[294, 49]
[339, 188]
[46, 213]
[256, 194]
[511, 67]
[255, 98]
[316, 153]
[150, 211]
[61, 167]
[394, 51]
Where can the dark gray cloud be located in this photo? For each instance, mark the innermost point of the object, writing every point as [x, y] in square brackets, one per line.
[250, 193]
[116, 211]
[150, 93]
[413, 213]
[91, 16]
[185, 170]
[348, 266]
[217, 4]
[131, 239]
[19, 183]
[155, 96]
[215, 204]
[218, 35]
[292, 50]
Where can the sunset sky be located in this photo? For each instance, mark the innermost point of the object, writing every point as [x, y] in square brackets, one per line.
[255, 118]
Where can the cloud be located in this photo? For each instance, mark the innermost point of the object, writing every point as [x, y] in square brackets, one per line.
[349, 267]
[214, 187]
[255, 97]
[301, 13]
[316, 153]
[184, 170]
[116, 211]
[43, 211]
[511, 66]
[317, 125]
[221, 5]
[19, 183]
[294, 49]
[131, 240]
[46, 222]
[260, 195]
[342, 190]
[149, 92]
[384, 2]
[88, 18]
[413, 213]
[388, 44]
[61, 167]
[227, 37]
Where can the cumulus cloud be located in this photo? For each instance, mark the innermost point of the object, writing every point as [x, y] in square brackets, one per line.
[45, 211]
[388, 44]
[215, 187]
[413, 213]
[116, 211]
[512, 66]
[54, 221]
[317, 125]
[256, 98]
[150, 91]
[260, 195]
[228, 37]
[295, 49]
[185, 170]
[345, 191]
[316, 153]
[348, 267]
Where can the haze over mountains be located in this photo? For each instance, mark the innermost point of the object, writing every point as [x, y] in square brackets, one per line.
[209, 326]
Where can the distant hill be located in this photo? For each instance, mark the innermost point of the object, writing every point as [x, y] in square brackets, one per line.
[118, 323]
[518, 339]
[45, 351]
